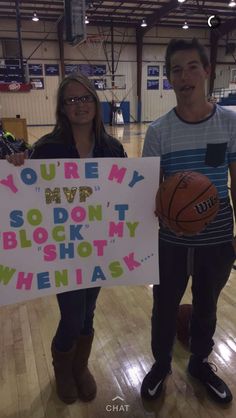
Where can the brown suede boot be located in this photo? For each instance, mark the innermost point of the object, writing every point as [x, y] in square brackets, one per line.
[86, 384]
[63, 369]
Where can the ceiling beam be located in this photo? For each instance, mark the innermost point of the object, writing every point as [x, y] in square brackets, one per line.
[50, 3]
[24, 16]
[139, 2]
[41, 7]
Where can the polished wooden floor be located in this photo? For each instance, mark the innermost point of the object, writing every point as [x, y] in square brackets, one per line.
[121, 353]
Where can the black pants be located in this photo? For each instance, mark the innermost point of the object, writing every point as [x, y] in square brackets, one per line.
[211, 268]
[77, 312]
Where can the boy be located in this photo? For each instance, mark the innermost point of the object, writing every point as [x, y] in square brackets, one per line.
[194, 136]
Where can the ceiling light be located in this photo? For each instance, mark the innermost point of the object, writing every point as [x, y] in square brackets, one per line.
[232, 3]
[181, 1]
[185, 26]
[144, 23]
[86, 21]
[35, 17]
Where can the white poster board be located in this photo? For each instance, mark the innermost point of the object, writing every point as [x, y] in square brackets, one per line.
[74, 224]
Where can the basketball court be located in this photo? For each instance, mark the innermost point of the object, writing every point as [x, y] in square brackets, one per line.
[125, 61]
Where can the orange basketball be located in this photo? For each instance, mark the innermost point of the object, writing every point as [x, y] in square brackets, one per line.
[187, 202]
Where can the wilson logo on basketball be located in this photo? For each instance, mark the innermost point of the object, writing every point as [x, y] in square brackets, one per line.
[204, 206]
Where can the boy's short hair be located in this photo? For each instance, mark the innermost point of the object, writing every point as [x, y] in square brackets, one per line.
[185, 45]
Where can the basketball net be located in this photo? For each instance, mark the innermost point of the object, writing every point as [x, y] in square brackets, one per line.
[94, 43]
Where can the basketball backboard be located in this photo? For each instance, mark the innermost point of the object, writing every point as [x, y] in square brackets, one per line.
[75, 21]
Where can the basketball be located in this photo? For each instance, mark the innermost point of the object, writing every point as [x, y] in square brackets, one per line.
[187, 202]
[183, 324]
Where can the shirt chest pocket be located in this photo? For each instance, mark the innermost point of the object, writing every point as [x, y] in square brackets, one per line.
[215, 154]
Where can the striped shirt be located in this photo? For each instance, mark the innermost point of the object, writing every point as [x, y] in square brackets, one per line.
[208, 147]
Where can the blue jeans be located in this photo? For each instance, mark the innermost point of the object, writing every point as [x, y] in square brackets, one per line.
[211, 267]
[77, 311]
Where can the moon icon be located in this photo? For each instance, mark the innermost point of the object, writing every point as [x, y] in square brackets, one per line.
[209, 20]
[213, 21]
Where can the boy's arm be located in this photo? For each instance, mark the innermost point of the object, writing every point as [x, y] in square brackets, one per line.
[232, 170]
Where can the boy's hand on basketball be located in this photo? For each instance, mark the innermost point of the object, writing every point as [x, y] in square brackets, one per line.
[18, 158]
[179, 234]
[163, 224]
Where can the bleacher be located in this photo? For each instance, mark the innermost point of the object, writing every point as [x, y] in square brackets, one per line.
[228, 101]
[225, 97]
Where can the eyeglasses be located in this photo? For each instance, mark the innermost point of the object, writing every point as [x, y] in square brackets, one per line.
[88, 98]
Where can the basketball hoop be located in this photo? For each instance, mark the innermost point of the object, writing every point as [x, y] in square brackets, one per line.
[115, 82]
[94, 42]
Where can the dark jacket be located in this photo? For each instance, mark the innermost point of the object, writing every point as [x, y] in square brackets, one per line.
[53, 145]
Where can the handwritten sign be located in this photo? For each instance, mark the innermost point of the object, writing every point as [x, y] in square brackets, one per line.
[73, 224]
